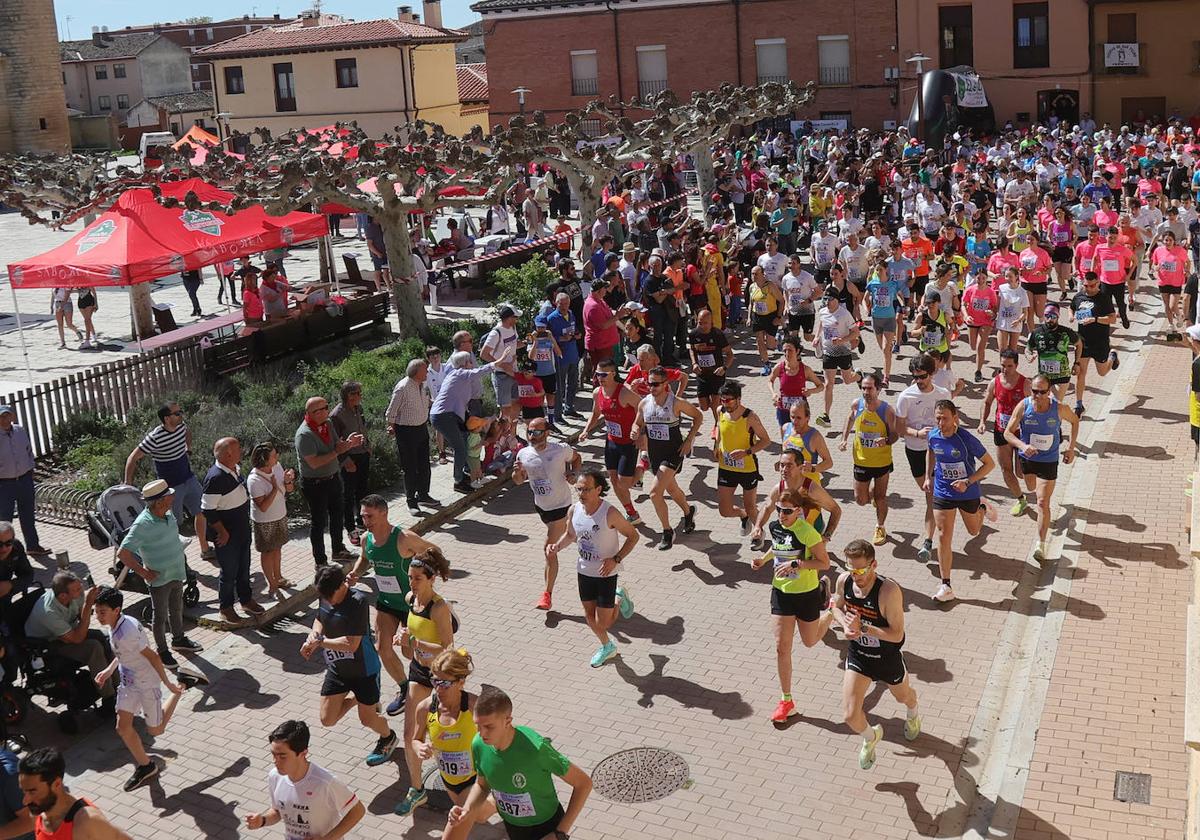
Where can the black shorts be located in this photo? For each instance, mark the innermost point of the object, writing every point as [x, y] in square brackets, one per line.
[620, 457]
[459, 787]
[888, 668]
[965, 505]
[865, 474]
[534, 832]
[1035, 288]
[822, 276]
[549, 383]
[399, 615]
[365, 689]
[916, 461]
[801, 321]
[419, 674]
[555, 515]
[764, 323]
[602, 590]
[707, 385]
[673, 460]
[1196, 435]
[731, 478]
[918, 287]
[1162, 290]
[803, 606]
[1062, 254]
[1045, 470]
[998, 437]
[1097, 350]
[841, 362]
[533, 412]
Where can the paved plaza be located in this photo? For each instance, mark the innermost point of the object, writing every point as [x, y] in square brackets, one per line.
[1036, 686]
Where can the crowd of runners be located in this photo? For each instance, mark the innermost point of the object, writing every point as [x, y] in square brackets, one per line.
[990, 278]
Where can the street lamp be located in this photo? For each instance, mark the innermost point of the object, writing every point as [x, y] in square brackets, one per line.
[919, 60]
[520, 92]
[223, 117]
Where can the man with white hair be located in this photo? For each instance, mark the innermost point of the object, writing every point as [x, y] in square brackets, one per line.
[449, 410]
[225, 520]
[408, 422]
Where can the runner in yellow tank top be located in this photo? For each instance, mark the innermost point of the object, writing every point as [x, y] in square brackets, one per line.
[738, 437]
[873, 423]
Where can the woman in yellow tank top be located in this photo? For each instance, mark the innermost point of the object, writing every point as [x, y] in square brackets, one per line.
[447, 719]
[875, 429]
[739, 435]
[766, 314]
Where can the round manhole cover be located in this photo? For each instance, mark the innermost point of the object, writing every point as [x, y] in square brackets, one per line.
[642, 774]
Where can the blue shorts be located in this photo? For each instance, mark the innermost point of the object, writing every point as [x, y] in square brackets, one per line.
[505, 387]
[187, 496]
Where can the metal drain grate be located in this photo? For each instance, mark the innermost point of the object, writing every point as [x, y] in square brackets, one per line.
[1132, 787]
[642, 774]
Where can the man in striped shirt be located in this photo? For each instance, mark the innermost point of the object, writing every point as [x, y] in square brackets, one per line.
[168, 445]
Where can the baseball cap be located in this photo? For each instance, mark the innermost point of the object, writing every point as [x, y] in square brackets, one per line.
[8, 409]
[156, 490]
[508, 311]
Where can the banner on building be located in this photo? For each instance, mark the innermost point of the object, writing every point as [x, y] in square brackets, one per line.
[1121, 55]
[969, 90]
[818, 126]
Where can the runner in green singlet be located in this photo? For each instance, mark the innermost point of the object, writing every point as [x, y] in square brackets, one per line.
[388, 549]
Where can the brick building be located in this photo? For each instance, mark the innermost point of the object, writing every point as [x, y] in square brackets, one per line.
[110, 73]
[33, 110]
[567, 52]
[199, 33]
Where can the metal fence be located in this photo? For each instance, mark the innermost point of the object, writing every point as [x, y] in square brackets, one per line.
[114, 388]
[585, 87]
[835, 75]
[650, 89]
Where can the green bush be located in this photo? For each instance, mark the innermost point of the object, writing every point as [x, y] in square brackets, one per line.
[86, 426]
[524, 286]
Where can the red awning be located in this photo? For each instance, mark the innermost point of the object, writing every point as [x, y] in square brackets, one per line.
[138, 240]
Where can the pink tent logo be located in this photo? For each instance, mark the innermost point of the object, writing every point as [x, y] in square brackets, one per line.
[287, 235]
[202, 221]
[97, 236]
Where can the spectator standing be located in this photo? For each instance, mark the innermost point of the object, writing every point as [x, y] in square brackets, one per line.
[153, 551]
[408, 422]
[601, 335]
[348, 419]
[192, 282]
[449, 411]
[319, 451]
[16, 479]
[63, 616]
[500, 340]
[377, 247]
[225, 521]
[168, 444]
[268, 485]
[564, 326]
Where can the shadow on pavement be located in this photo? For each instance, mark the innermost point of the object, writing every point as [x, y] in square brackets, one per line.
[215, 817]
[238, 690]
[669, 632]
[724, 705]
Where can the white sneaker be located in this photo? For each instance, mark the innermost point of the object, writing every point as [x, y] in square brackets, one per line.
[944, 593]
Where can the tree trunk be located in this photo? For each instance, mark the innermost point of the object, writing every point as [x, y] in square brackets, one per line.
[589, 205]
[141, 315]
[406, 297]
[706, 177]
[325, 258]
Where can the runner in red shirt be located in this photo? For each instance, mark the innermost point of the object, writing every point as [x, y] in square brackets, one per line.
[1007, 389]
[615, 406]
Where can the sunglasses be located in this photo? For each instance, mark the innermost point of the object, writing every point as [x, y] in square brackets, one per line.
[538, 432]
[654, 384]
[920, 377]
[6, 543]
[1041, 392]
[860, 572]
[441, 683]
[784, 511]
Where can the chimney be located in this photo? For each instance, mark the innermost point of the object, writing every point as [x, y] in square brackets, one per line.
[431, 11]
[405, 13]
[276, 16]
[310, 18]
[97, 36]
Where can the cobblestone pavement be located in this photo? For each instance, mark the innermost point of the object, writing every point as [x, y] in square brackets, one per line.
[1035, 686]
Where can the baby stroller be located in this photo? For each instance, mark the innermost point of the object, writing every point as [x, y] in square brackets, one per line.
[116, 509]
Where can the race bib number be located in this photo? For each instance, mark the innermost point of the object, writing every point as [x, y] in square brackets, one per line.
[587, 552]
[1002, 420]
[784, 568]
[881, 299]
[456, 763]
[1169, 266]
[613, 429]
[954, 471]
[542, 354]
[1042, 443]
[831, 334]
[1050, 365]
[979, 304]
[933, 337]
[1086, 314]
[1111, 265]
[788, 402]
[525, 391]
[1028, 260]
[760, 307]
[867, 641]
[335, 656]
[1061, 237]
[795, 301]
[1008, 312]
[1087, 263]
[733, 463]
[870, 440]
[514, 804]
[706, 360]
[541, 487]
[658, 431]
[388, 584]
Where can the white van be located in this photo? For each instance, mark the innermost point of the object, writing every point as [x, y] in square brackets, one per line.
[151, 139]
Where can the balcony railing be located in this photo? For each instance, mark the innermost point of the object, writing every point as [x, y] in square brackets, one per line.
[762, 80]
[585, 87]
[648, 90]
[834, 75]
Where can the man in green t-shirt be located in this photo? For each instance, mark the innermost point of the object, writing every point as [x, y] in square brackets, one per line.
[1051, 343]
[517, 766]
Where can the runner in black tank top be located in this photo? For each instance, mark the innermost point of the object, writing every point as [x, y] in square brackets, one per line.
[870, 610]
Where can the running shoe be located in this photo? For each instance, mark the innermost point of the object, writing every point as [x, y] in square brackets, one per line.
[383, 750]
[756, 545]
[632, 517]
[989, 511]
[822, 419]
[341, 553]
[688, 524]
[355, 537]
[140, 776]
[912, 728]
[880, 536]
[925, 552]
[944, 593]
[1039, 553]
[668, 539]
[1115, 359]
[603, 654]
[552, 427]
[626, 603]
[862, 347]
[413, 800]
[766, 369]
[1019, 506]
[186, 645]
[866, 753]
[887, 383]
[543, 602]
[783, 711]
[397, 705]
[895, 348]
[745, 526]
[168, 660]
[1079, 409]
[979, 376]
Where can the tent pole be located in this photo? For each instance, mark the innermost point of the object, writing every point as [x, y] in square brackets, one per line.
[133, 317]
[21, 332]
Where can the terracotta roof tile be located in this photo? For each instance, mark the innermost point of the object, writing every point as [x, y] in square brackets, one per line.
[298, 38]
[472, 82]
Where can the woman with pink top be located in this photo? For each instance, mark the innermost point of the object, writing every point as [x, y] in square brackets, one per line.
[980, 303]
[1061, 234]
[1106, 217]
[1170, 265]
[789, 381]
[1001, 260]
[1035, 271]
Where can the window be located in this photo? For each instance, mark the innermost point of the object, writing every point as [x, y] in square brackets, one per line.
[101, 71]
[122, 102]
[652, 71]
[347, 72]
[234, 83]
[1031, 34]
[956, 44]
[104, 103]
[771, 55]
[42, 123]
[834, 55]
[585, 74]
[118, 71]
[285, 87]
[208, 34]
[590, 127]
